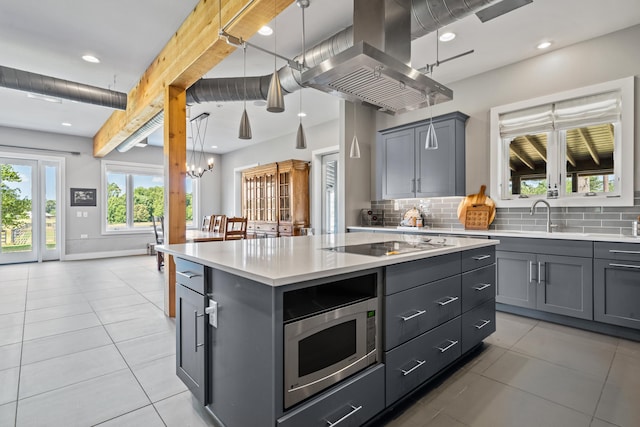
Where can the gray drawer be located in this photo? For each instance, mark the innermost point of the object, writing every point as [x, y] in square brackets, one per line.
[476, 258]
[190, 275]
[478, 324]
[616, 292]
[547, 246]
[414, 273]
[414, 362]
[478, 286]
[617, 251]
[415, 311]
[354, 401]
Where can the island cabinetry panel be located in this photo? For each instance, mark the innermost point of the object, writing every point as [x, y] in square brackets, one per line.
[617, 284]
[408, 170]
[478, 286]
[417, 310]
[543, 278]
[414, 362]
[351, 403]
[191, 337]
[477, 324]
[399, 277]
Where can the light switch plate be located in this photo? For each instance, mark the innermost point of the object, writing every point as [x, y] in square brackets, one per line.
[212, 311]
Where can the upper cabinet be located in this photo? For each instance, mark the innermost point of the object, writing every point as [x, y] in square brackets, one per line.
[408, 170]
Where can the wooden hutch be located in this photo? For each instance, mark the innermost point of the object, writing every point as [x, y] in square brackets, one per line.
[275, 198]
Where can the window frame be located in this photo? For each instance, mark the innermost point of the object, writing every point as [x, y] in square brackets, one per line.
[129, 168]
[623, 142]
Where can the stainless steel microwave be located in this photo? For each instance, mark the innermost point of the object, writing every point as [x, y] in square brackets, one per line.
[323, 349]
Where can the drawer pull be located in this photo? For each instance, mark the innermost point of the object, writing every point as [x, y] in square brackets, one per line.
[481, 257]
[416, 314]
[187, 274]
[623, 265]
[354, 410]
[482, 287]
[452, 343]
[484, 323]
[420, 363]
[619, 251]
[448, 301]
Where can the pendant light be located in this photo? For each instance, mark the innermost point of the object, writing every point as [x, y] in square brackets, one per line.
[354, 153]
[431, 142]
[275, 99]
[245, 127]
[301, 140]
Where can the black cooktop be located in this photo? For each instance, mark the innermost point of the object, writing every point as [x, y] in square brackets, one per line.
[393, 247]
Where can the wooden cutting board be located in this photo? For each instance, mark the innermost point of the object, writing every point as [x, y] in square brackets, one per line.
[475, 200]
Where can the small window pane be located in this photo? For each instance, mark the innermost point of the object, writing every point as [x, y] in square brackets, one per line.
[116, 201]
[589, 159]
[148, 199]
[528, 165]
[189, 193]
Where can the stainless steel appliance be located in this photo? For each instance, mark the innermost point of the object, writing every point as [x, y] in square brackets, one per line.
[325, 348]
[393, 247]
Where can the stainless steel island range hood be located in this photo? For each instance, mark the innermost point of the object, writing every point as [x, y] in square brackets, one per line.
[376, 70]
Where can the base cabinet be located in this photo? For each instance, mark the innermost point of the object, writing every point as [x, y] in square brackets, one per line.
[544, 279]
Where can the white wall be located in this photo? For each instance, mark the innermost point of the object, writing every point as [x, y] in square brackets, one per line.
[319, 136]
[605, 58]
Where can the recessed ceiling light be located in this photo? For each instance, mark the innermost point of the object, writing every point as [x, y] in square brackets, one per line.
[214, 146]
[447, 37]
[544, 45]
[44, 98]
[259, 103]
[265, 31]
[302, 114]
[66, 124]
[91, 58]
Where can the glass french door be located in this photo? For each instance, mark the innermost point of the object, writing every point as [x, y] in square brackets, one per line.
[29, 210]
[329, 193]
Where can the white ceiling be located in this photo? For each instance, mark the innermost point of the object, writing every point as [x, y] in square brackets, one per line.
[49, 37]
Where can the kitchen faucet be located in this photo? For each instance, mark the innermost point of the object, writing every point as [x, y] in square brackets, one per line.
[550, 226]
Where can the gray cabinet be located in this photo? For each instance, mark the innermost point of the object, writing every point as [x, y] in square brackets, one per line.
[191, 348]
[545, 280]
[407, 170]
[617, 284]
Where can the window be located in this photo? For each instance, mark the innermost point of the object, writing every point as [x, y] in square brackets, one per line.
[566, 147]
[135, 194]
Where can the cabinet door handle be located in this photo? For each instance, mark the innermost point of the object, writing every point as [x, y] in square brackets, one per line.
[530, 271]
[407, 372]
[187, 274]
[619, 251]
[539, 267]
[419, 185]
[195, 329]
[353, 411]
[448, 301]
[416, 314]
[624, 265]
[482, 287]
[480, 257]
[452, 343]
[484, 323]
[413, 185]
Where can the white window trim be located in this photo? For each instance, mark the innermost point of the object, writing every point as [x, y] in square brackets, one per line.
[627, 143]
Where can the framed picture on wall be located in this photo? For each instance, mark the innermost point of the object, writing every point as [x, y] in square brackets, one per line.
[83, 197]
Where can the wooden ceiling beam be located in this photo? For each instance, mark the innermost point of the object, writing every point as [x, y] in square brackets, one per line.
[542, 151]
[570, 158]
[192, 51]
[524, 158]
[593, 152]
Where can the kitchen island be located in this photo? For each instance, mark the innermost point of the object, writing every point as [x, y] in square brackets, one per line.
[430, 301]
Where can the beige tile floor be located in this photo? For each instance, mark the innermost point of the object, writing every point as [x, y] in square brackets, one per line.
[86, 343]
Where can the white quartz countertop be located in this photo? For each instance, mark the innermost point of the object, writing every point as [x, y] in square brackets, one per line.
[508, 233]
[287, 260]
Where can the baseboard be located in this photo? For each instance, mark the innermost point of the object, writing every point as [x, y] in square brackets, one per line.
[97, 255]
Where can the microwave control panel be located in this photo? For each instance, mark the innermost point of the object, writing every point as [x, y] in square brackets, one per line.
[371, 331]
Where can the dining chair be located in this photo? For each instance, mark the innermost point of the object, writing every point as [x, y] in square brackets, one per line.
[206, 223]
[158, 230]
[217, 223]
[235, 228]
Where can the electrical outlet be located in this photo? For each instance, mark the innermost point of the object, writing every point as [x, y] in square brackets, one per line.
[84, 236]
[395, 206]
[79, 214]
[85, 214]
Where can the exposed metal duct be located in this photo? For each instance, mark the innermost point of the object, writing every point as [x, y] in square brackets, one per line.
[426, 17]
[59, 88]
[147, 129]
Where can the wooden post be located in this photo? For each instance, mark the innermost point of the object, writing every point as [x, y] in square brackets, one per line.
[175, 159]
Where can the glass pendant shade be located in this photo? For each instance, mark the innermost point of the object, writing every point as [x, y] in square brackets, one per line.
[245, 127]
[275, 99]
[354, 153]
[301, 140]
[431, 142]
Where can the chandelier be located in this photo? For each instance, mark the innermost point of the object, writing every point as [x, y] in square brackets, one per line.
[195, 165]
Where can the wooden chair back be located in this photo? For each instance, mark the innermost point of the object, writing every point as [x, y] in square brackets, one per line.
[158, 230]
[206, 223]
[218, 223]
[235, 228]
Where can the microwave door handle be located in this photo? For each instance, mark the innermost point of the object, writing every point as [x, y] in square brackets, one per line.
[354, 409]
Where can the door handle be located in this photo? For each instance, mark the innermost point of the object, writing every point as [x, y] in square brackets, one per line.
[482, 287]
[452, 343]
[413, 185]
[530, 271]
[484, 323]
[623, 265]
[448, 301]
[539, 268]
[419, 185]
[418, 313]
[619, 251]
[407, 372]
[195, 330]
[481, 257]
[187, 274]
[354, 410]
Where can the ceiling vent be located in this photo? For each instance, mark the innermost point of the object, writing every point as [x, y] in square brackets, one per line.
[376, 70]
